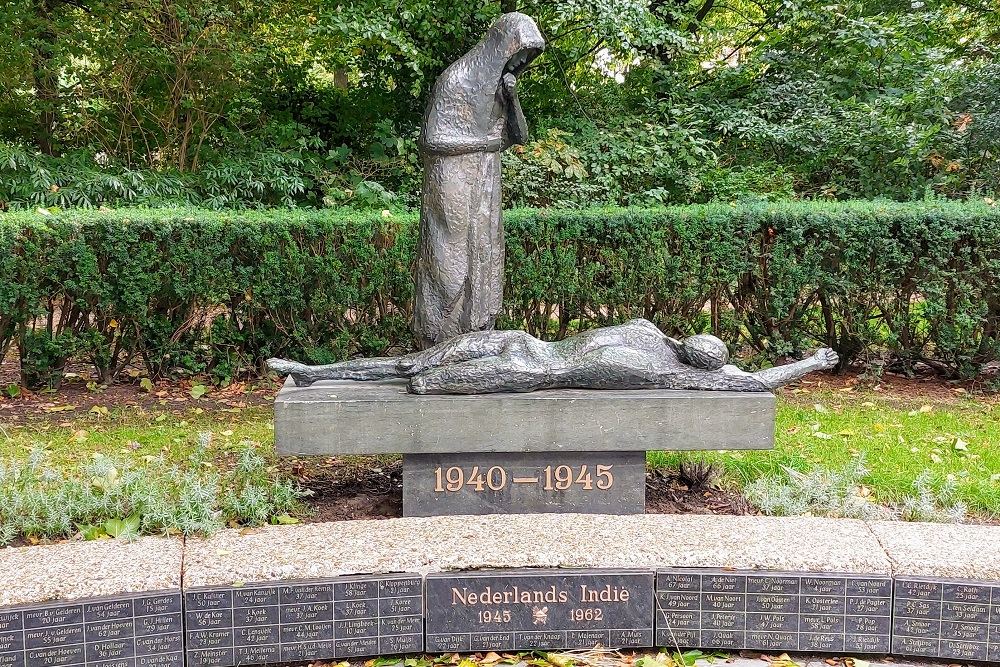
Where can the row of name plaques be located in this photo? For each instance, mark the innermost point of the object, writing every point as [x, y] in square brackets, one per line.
[145, 630]
[516, 610]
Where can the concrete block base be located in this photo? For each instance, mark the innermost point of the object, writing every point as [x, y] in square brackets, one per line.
[346, 417]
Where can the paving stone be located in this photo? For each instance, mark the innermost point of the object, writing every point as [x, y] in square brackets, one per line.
[75, 570]
[941, 550]
[436, 544]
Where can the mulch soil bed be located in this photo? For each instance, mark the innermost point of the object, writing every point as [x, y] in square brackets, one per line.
[348, 490]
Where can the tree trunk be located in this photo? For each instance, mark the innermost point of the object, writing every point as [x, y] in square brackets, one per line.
[45, 72]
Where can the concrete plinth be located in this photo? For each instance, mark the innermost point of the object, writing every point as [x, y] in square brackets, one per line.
[346, 417]
[532, 483]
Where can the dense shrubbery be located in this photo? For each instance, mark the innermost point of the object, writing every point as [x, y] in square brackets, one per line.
[194, 291]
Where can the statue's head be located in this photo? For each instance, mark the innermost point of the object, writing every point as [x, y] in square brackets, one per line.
[465, 104]
[704, 351]
[516, 41]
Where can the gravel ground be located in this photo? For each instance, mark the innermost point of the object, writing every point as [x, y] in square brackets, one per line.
[941, 550]
[75, 570]
[570, 540]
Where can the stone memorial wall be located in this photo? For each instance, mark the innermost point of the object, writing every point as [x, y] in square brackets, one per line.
[512, 610]
[308, 620]
[773, 611]
[951, 619]
[144, 630]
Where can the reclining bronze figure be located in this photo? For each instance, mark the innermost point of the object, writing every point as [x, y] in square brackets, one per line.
[634, 355]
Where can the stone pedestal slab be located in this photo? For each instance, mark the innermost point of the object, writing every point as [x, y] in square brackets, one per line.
[347, 417]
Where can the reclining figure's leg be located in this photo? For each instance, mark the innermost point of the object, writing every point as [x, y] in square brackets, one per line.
[524, 363]
[461, 348]
[488, 375]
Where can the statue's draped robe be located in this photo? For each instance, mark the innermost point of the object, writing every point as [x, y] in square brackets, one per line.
[459, 269]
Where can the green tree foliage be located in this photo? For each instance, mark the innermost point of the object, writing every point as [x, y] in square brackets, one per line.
[297, 102]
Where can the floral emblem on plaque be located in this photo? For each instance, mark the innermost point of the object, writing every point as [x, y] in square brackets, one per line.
[539, 615]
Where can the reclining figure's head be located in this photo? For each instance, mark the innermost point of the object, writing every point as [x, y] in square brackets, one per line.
[704, 351]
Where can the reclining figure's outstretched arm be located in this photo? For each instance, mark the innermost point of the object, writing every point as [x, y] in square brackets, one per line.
[776, 376]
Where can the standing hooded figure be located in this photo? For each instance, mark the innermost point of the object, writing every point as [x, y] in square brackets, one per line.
[473, 116]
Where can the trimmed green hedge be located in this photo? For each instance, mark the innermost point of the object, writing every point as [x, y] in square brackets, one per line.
[193, 291]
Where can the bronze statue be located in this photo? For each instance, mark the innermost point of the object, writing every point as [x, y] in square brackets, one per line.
[473, 115]
[634, 355]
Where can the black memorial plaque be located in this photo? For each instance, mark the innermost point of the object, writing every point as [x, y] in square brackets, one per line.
[304, 620]
[136, 630]
[951, 619]
[539, 609]
[773, 611]
[527, 482]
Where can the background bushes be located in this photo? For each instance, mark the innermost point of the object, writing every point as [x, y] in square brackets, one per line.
[185, 291]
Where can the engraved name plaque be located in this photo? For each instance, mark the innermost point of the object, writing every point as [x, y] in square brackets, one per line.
[304, 620]
[773, 611]
[543, 609]
[140, 630]
[946, 618]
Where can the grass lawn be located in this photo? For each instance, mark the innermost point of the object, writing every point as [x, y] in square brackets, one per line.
[959, 438]
[948, 435]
